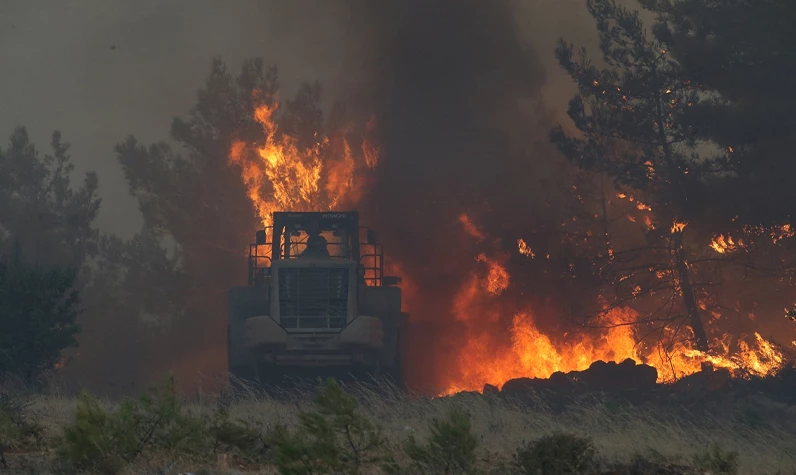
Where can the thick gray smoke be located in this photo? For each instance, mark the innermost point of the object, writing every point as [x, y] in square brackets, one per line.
[458, 96]
[99, 70]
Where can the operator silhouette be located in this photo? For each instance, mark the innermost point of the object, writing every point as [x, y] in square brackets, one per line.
[316, 244]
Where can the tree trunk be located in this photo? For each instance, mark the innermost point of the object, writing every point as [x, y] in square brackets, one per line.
[689, 298]
[606, 238]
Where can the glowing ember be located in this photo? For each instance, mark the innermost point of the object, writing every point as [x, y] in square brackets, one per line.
[639, 205]
[725, 244]
[782, 232]
[650, 170]
[524, 249]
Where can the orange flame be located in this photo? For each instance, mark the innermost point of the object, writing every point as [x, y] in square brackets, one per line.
[639, 205]
[497, 280]
[485, 358]
[281, 175]
[678, 227]
[725, 243]
[524, 249]
[489, 356]
[722, 244]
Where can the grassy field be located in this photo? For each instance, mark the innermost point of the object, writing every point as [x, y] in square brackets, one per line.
[164, 434]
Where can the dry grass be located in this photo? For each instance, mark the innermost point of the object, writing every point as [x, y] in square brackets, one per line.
[765, 446]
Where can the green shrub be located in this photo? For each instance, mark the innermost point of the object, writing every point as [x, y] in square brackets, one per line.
[155, 422]
[451, 447]
[90, 441]
[555, 454]
[107, 441]
[334, 439]
[237, 437]
[717, 461]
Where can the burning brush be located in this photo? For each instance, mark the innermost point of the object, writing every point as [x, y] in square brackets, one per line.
[500, 336]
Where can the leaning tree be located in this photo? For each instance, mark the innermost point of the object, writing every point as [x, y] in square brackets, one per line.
[629, 113]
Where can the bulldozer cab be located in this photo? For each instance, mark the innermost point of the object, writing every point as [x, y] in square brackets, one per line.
[316, 298]
[315, 235]
[319, 235]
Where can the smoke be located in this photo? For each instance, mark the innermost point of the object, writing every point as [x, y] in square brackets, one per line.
[129, 67]
[458, 95]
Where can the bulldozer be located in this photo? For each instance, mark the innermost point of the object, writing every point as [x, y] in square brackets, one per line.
[317, 304]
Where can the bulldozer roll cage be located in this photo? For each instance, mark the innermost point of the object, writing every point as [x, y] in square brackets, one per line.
[354, 242]
[317, 300]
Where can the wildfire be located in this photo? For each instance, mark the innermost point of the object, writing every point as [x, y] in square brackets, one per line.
[502, 340]
[757, 358]
[498, 279]
[282, 175]
[678, 227]
[488, 359]
[650, 170]
[725, 243]
[489, 356]
[524, 249]
[639, 205]
[528, 352]
[722, 244]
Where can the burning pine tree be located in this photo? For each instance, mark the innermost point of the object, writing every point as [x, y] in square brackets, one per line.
[636, 133]
[302, 162]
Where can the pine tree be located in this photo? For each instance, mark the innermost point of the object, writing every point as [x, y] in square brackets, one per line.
[629, 114]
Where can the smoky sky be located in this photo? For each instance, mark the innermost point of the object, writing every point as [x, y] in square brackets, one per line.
[99, 70]
[445, 78]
